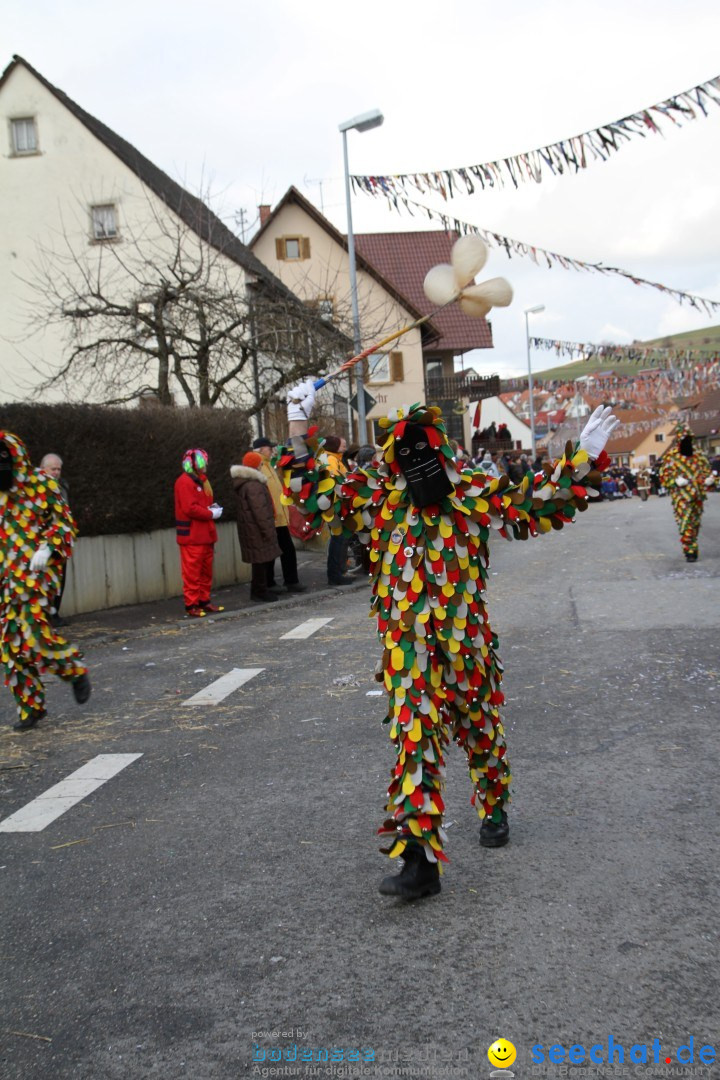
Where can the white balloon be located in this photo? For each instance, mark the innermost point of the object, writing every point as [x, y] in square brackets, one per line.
[439, 285]
[468, 256]
[497, 292]
[474, 306]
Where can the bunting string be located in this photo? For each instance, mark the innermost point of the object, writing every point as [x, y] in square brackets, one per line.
[549, 258]
[652, 355]
[567, 156]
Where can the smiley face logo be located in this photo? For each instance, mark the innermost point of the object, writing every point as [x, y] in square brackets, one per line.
[501, 1054]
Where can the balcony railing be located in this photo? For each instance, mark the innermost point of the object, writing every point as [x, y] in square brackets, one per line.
[463, 386]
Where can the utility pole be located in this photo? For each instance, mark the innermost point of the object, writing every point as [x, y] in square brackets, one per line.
[240, 216]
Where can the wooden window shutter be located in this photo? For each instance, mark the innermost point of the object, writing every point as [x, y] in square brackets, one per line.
[305, 247]
[397, 371]
[280, 249]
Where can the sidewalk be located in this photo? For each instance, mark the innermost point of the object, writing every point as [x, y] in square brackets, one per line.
[146, 618]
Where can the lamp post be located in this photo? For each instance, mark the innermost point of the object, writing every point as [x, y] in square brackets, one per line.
[531, 311]
[364, 122]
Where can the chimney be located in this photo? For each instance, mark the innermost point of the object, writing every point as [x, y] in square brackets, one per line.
[265, 211]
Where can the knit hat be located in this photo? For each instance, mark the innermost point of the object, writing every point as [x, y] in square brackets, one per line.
[262, 441]
[332, 443]
[252, 460]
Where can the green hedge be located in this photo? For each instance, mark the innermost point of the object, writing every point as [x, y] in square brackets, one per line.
[121, 464]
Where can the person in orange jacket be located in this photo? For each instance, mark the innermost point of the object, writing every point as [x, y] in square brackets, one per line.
[195, 515]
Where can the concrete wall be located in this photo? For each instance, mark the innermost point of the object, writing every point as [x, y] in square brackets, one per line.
[109, 571]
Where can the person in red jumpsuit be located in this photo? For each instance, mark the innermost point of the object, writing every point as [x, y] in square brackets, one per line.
[195, 515]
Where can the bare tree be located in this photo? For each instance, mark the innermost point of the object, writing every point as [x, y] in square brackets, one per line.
[166, 309]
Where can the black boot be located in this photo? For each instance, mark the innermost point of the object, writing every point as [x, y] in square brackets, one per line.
[81, 689]
[29, 721]
[494, 833]
[691, 556]
[417, 878]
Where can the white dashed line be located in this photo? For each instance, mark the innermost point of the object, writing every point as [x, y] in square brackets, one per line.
[56, 800]
[218, 690]
[306, 629]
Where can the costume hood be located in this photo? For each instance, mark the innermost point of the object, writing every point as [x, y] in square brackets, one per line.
[423, 488]
[19, 456]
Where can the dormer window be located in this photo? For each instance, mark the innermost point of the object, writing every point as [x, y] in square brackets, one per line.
[24, 135]
[292, 248]
[104, 222]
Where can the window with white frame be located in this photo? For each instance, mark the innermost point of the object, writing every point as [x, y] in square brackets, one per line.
[379, 367]
[24, 135]
[104, 221]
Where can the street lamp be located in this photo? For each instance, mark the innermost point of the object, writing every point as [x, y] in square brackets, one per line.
[531, 311]
[364, 122]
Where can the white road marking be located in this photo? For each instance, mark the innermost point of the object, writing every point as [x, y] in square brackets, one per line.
[218, 690]
[306, 629]
[56, 800]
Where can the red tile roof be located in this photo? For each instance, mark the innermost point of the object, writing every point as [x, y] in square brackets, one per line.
[404, 258]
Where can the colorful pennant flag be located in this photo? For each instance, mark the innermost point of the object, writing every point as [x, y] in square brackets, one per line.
[567, 156]
[551, 258]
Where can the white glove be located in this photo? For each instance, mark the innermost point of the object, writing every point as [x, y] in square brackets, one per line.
[216, 512]
[40, 559]
[597, 431]
[301, 400]
[709, 480]
[682, 481]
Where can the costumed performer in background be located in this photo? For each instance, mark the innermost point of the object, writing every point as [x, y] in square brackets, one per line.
[195, 515]
[685, 473]
[427, 528]
[36, 537]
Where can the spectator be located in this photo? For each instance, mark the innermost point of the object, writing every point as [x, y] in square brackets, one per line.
[365, 455]
[334, 448]
[350, 458]
[195, 515]
[52, 465]
[644, 483]
[288, 555]
[488, 466]
[255, 523]
[514, 469]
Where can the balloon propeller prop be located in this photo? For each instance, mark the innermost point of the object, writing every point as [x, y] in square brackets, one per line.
[444, 285]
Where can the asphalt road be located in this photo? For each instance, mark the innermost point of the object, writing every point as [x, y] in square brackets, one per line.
[217, 899]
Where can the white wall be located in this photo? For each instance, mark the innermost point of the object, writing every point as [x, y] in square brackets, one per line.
[45, 201]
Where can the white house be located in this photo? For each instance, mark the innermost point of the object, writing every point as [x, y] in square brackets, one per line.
[78, 202]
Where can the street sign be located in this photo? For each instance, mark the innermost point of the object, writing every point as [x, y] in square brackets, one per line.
[370, 402]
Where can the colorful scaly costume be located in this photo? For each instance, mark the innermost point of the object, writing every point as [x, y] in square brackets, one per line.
[686, 474]
[429, 573]
[35, 523]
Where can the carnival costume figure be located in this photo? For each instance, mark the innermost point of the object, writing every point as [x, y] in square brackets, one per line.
[195, 515]
[37, 532]
[427, 527]
[686, 474]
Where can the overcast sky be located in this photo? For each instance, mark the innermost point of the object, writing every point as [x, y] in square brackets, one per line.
[246, 98]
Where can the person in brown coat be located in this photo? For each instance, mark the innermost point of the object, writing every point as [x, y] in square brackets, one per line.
[255, 523]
